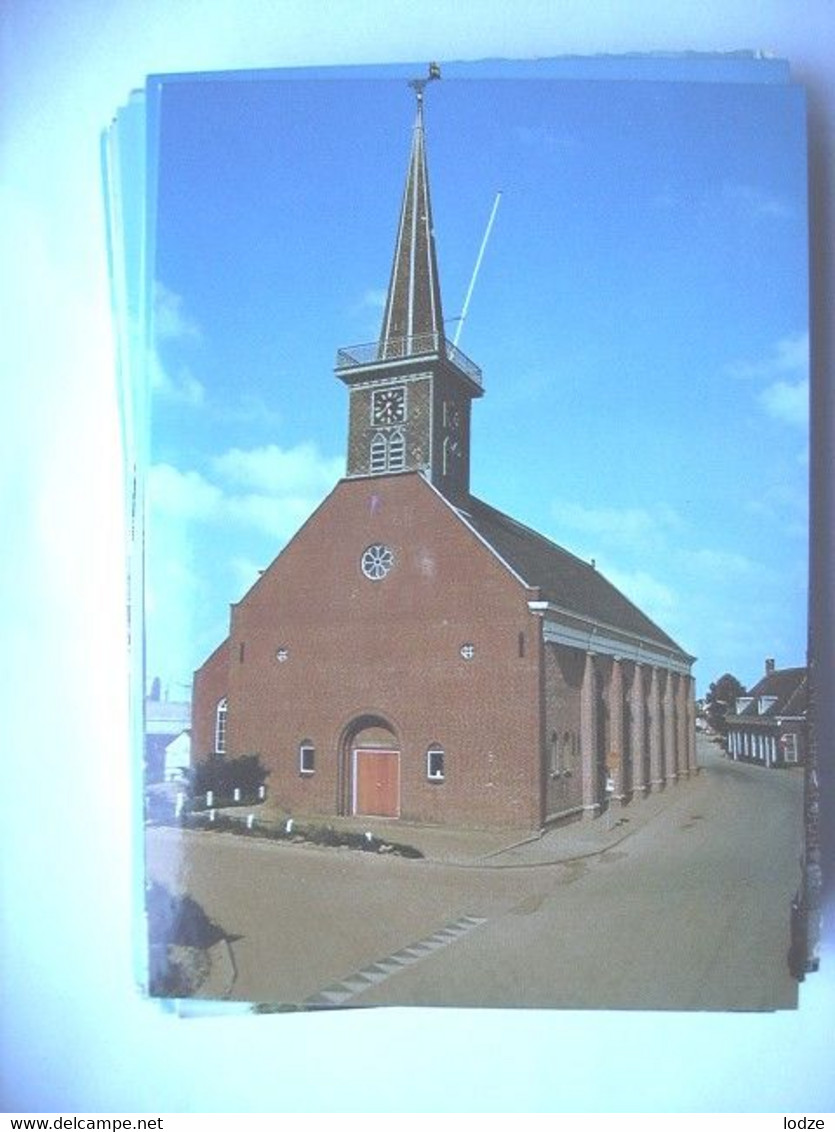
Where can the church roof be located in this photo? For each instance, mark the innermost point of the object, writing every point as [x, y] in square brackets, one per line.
[413, 306]
[563, 579]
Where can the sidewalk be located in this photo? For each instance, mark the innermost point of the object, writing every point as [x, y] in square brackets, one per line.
[524, 848]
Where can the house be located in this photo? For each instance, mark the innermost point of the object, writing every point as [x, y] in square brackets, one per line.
[167, 737]
[415, 653]
[768, 725]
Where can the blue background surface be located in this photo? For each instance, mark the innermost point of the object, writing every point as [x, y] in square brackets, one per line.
[76, 1036]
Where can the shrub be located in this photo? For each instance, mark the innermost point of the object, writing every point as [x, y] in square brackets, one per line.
[223, 776]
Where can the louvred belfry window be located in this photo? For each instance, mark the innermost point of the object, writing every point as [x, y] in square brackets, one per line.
[397, 452]
[379, 453]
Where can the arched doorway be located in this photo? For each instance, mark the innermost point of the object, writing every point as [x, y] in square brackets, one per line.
[370, 769]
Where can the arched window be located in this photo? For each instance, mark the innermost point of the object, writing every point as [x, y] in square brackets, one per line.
[307, 757]
[435, 763]
[397, 451]
[388, 452]
[379, 453]
[220, 727]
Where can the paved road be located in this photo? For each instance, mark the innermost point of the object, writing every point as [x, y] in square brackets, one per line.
[688, 912]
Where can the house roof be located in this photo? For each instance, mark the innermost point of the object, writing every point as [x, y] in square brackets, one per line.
[788, 686]
[562, 579]
[166, 717]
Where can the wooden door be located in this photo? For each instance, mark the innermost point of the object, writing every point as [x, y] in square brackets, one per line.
[377, 783]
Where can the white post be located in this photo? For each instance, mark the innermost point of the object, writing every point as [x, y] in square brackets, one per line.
[236, 794]
[210, 798]
[179, 804]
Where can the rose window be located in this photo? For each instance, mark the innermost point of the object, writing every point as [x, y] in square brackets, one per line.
[376, 561]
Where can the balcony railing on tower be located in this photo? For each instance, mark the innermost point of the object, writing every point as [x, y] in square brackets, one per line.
[415, 346]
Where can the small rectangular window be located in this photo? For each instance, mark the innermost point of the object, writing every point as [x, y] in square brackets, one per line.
[435, 764]
[789, 745]
[307, 758]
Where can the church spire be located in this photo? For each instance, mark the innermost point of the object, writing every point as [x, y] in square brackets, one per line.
[413, 321]
[411, 390]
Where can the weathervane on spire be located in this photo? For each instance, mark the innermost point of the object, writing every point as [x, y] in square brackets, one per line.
[418, 85]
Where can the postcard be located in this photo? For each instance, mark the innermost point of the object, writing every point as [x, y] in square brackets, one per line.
[469, 419]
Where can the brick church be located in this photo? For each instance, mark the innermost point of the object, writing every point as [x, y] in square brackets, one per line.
[413, 652]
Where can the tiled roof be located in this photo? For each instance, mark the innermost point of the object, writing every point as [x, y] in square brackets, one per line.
[562, 578]
[787, 686]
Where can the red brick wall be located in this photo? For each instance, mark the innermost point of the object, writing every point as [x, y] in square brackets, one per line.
[563, 680]
[389, 649]
[211, 684]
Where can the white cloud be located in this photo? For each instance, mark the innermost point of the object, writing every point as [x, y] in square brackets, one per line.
[787, 401]
[268, 490]
[545, 139]
[786, 369]
[276, 470]
[788, 356]
[629, 525]
[717, 564]
[183, 495]
[245, 573]
[655, 598]
[374, 297]
[181, 387]
[249, 409]
[276, 516]
[171, 322]
[755, 202]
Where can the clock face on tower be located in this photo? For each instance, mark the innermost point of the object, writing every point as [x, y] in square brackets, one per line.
[388, 406]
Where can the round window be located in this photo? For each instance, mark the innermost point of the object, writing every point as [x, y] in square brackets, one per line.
[376, 561]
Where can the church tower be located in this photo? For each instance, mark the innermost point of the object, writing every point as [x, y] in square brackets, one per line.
[411, 390]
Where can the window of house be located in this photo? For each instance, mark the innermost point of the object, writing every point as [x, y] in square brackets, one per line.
[789, 745]
[435, 764]
[307, 757]
[220, 727]
[766, 704]
[554, 748]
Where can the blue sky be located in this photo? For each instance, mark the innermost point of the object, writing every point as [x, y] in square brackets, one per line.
[640, 318]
